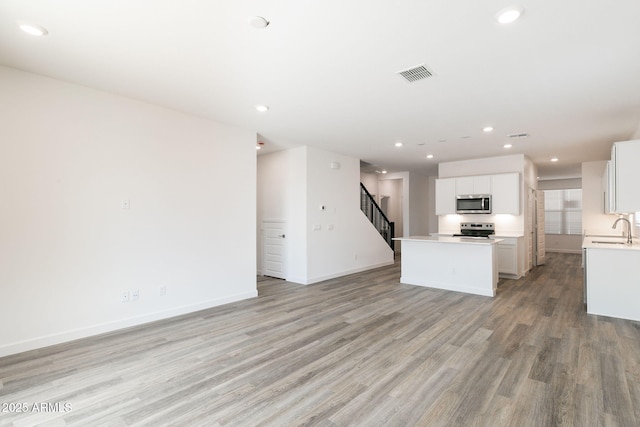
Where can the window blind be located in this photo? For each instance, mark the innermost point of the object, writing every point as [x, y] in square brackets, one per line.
[563, 211]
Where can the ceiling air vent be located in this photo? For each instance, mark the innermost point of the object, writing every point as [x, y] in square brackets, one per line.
[518, 135]
[416, 73]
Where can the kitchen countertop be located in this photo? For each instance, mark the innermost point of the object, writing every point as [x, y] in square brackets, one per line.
[507, 234]
[591, 242]
[501, 235]
[449, 239]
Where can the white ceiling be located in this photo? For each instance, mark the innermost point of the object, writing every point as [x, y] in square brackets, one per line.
[567, 73]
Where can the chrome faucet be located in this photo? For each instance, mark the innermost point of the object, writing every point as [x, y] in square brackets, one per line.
[629, 241]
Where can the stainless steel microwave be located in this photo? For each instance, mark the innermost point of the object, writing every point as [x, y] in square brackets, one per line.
[473, 204]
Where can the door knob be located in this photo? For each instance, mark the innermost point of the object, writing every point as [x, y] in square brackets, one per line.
[281, 235]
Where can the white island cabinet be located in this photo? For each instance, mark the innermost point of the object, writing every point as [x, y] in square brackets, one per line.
[451, 263]
[611, 277]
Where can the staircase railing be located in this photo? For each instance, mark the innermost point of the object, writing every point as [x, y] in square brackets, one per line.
[379, 220]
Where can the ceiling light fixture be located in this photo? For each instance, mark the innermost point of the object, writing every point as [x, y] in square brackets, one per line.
[508, 145]
[33, 29]
[398, 144]
[554, 159]
[383, 171]
[509, 15]
[258, 22]
[429, 156]
[262, 108]
[487, 129]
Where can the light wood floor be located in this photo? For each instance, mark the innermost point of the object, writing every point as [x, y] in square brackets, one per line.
[360, 350]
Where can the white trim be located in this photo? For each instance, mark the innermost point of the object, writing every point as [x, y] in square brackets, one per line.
[448, 287]
[62, 337]
[564, 251]
[345, 273]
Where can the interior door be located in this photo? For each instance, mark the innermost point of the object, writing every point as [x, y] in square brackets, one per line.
[274, 249]
[540, 239]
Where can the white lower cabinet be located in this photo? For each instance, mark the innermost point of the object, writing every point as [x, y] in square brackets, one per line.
[611, 282]
[508, 257]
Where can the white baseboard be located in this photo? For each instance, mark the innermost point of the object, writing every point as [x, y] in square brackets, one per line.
[66, 336]
[347, 272]
[448, 287]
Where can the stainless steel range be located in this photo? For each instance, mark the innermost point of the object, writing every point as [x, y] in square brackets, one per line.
[476, 230]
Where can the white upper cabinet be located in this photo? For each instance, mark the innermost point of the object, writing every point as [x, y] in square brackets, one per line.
[473, 185]
[607, 189]
[505, 191]
[445, 196]
[625, 162]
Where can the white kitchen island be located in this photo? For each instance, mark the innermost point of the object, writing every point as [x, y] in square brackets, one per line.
[452, 263]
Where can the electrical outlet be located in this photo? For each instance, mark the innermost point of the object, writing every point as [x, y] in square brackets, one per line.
[125, 296]
[135, 295]
[163, 290]
[125, 204]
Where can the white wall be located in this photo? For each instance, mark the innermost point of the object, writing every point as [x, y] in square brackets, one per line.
[393, 189]
[560, 184]
[298, 182]
[415, 202]
[370, 182]
[431, 205]
[636, 134]
[354, 244]
[486, 166]
[567, 243]
[403, 226]
[419, 204]
[411, 203]
[68, 156]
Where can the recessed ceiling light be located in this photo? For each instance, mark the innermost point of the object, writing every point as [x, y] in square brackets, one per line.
[33, 29]
[508, 145]
[554, 159]
[398, 144]
[509, 15]
[258, 22]
[429, 156]
[262, 108]
[384, 171]
[487, 129]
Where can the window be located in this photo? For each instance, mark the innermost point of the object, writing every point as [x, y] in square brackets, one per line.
[563, 211]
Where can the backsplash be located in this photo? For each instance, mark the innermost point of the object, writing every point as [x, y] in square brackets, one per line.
[504, 223]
